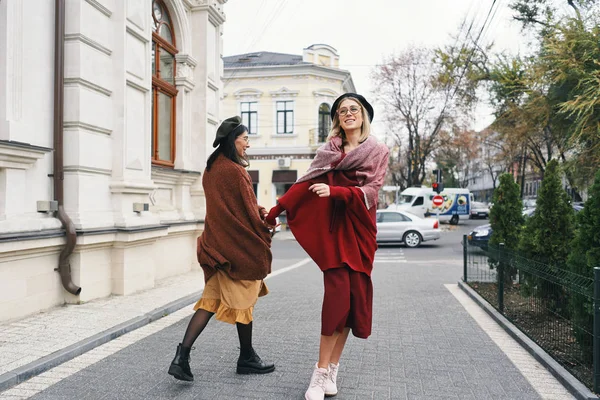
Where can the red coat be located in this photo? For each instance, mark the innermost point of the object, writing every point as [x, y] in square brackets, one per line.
[333, 230]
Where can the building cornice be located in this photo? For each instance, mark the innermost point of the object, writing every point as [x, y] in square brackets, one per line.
[213, 7]
[286, 70]
[20, 155]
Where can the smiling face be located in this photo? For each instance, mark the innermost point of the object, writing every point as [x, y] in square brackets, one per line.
[242, 143]
[350, 114]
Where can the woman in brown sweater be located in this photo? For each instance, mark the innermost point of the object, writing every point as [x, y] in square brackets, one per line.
[234, 251]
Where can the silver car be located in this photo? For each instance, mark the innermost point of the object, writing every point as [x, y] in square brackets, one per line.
[394, 226]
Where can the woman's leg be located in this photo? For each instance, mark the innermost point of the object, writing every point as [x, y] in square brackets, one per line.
[339, 346]
[196, 326]
[326, 349]
[180, 366]
[249, 362]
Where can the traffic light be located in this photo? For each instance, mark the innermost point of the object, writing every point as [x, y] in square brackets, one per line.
[437, 186]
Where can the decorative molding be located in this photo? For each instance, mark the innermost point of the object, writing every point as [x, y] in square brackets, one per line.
[284, 136]
[325, 93]
[212, 85]
[137, 86]
[137, 35]
[185, 82]
[284, 92]
[275, 157]
[71, 125]
[127, 187]
[99, 7]
[88, 84]
[248, 94]
[84, 39]
[271, 72]
[18, 155]
[173, 177]
[87, 170]
[186, 59]
[215, 11]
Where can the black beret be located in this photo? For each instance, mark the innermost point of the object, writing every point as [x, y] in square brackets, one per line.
[226, 128]
[358, 97]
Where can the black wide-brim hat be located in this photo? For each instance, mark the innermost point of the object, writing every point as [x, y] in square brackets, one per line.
[226, 127]
[358, 97]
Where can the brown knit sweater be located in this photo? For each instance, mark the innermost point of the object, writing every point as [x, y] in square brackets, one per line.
[235, 238]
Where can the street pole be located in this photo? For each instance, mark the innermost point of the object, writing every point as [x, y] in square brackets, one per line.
[596, 331]
[465, 255]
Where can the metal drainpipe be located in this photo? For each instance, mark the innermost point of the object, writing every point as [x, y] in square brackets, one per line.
[64, 267]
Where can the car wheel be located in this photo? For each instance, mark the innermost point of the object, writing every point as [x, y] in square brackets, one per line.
[454, 220]
[412, 239]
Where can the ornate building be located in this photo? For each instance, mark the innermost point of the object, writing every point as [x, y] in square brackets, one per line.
[107, 109]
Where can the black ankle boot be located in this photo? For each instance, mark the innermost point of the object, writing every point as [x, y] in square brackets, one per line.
[180, 366]
[252, 364]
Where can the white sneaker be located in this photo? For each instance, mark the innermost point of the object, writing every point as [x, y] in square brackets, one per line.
[331, 385]
[316, 389]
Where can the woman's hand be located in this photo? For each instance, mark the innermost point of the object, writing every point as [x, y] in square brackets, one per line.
[321, 189]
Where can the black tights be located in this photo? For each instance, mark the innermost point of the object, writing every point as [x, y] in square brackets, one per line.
[196, 326]
[199, 322]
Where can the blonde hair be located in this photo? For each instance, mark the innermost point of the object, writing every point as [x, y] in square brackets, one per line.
[336, 128]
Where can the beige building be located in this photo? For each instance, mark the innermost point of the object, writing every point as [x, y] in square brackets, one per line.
[285, 100]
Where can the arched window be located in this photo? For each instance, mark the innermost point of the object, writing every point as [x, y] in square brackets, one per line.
[164, 92]
[324, 122]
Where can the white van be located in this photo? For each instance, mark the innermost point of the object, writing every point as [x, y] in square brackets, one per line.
[418, 201]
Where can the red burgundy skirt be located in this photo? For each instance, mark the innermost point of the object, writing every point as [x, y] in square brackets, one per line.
[348, 302]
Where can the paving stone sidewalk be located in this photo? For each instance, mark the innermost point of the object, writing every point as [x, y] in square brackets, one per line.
[30, 339]
[425, 345]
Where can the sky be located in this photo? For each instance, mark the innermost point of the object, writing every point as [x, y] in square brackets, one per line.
[363, 32]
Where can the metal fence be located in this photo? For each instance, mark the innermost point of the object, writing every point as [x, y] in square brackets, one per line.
[558, 309]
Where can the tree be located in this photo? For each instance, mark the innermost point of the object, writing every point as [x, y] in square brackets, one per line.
[496, 154]
[455, 152]
[506, 215]
[584, 256]
[417, 107]
[547, 237]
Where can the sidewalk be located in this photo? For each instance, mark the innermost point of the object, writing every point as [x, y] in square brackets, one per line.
[427, 342]
[34, 344]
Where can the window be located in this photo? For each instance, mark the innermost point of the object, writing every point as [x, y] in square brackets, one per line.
[250, 117]
[163, 86]
[418, 201]
[285, 117]
[324, 122]
[391, 217]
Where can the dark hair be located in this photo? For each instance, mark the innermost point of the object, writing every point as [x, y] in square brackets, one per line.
[227, 148]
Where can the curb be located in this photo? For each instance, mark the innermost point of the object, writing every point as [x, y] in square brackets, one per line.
[574, 386]
[27, 371]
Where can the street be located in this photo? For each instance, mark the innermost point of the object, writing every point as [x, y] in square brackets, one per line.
[424, 343]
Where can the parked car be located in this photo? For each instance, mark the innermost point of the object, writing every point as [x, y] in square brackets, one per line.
[395, 226]
[481, 235]
[479, 210]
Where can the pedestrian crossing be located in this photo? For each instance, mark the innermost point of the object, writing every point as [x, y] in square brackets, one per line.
[390, 256]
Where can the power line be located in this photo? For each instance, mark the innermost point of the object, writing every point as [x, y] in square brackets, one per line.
[276, 13]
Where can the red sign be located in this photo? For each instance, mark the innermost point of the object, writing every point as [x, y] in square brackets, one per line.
[437, 200]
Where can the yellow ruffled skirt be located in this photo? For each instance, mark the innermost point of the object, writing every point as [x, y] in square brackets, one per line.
[231, 300]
